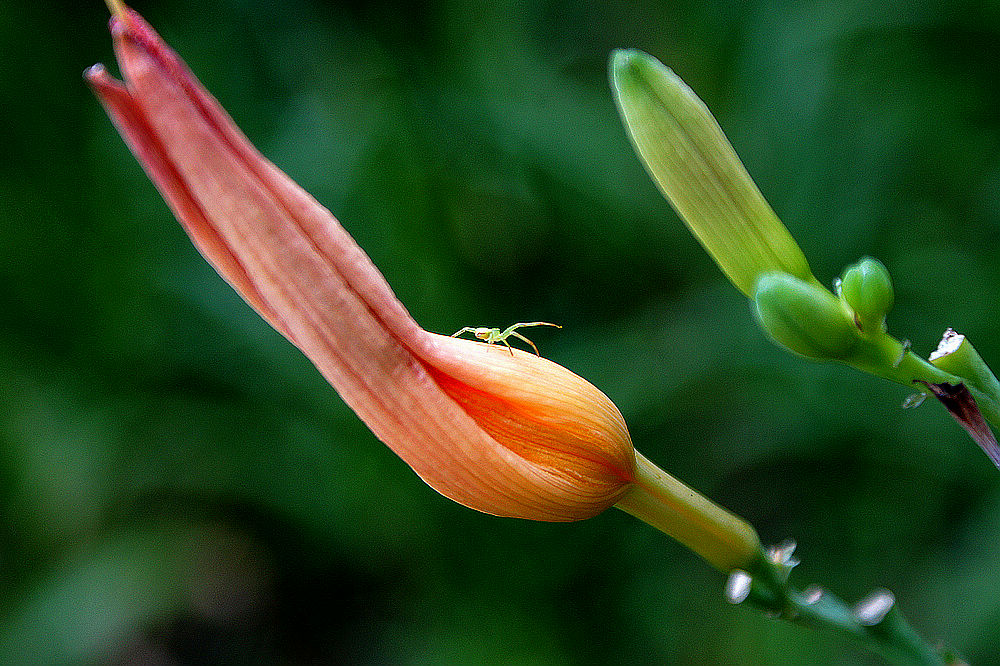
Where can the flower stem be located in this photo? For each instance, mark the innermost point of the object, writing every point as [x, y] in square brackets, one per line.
[117, 7]
[885, 356]
[723, 539]
[760, 576]
[876, 622]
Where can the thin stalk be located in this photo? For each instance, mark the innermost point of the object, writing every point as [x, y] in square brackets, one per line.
[760, 577]
[885, 356]
[723, 539]
[875, 622]
[117, 7]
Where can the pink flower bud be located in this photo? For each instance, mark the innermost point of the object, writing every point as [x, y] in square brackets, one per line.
[507, 434]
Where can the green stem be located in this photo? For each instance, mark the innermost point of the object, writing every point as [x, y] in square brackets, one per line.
[955, 354]
[723, 539]
[885, 356]
[887, 633]
[731, 545]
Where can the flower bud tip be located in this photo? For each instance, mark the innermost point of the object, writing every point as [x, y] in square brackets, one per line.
[867, 289]
[696, 168]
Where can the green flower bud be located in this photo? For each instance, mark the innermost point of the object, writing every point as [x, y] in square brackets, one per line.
[696, 168]
[867, 288]
[804, 317]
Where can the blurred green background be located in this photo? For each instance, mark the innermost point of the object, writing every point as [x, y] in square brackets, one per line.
[179, 486]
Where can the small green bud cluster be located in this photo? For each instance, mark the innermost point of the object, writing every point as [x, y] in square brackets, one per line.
[804, 317]
[813, 322]
[867, 289]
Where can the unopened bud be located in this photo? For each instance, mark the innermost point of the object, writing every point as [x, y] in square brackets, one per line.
[867, 288]
[696, 168]
[804, 317]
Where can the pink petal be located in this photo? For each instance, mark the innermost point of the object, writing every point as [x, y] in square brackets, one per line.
[291, 260]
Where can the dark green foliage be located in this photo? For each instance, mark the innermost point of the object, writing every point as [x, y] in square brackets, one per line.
[177, 480]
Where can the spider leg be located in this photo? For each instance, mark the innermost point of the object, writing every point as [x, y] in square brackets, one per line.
[521, 337]
[510, 329]
[467, 329]
[504, 340]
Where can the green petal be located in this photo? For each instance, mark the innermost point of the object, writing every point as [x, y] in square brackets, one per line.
[697, 169]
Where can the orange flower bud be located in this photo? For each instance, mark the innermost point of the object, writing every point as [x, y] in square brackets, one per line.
[506, 434]
[542, 413]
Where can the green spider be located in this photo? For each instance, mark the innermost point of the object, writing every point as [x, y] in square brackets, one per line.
[492, 335]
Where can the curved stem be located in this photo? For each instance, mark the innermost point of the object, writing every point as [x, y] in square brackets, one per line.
[875, 622]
